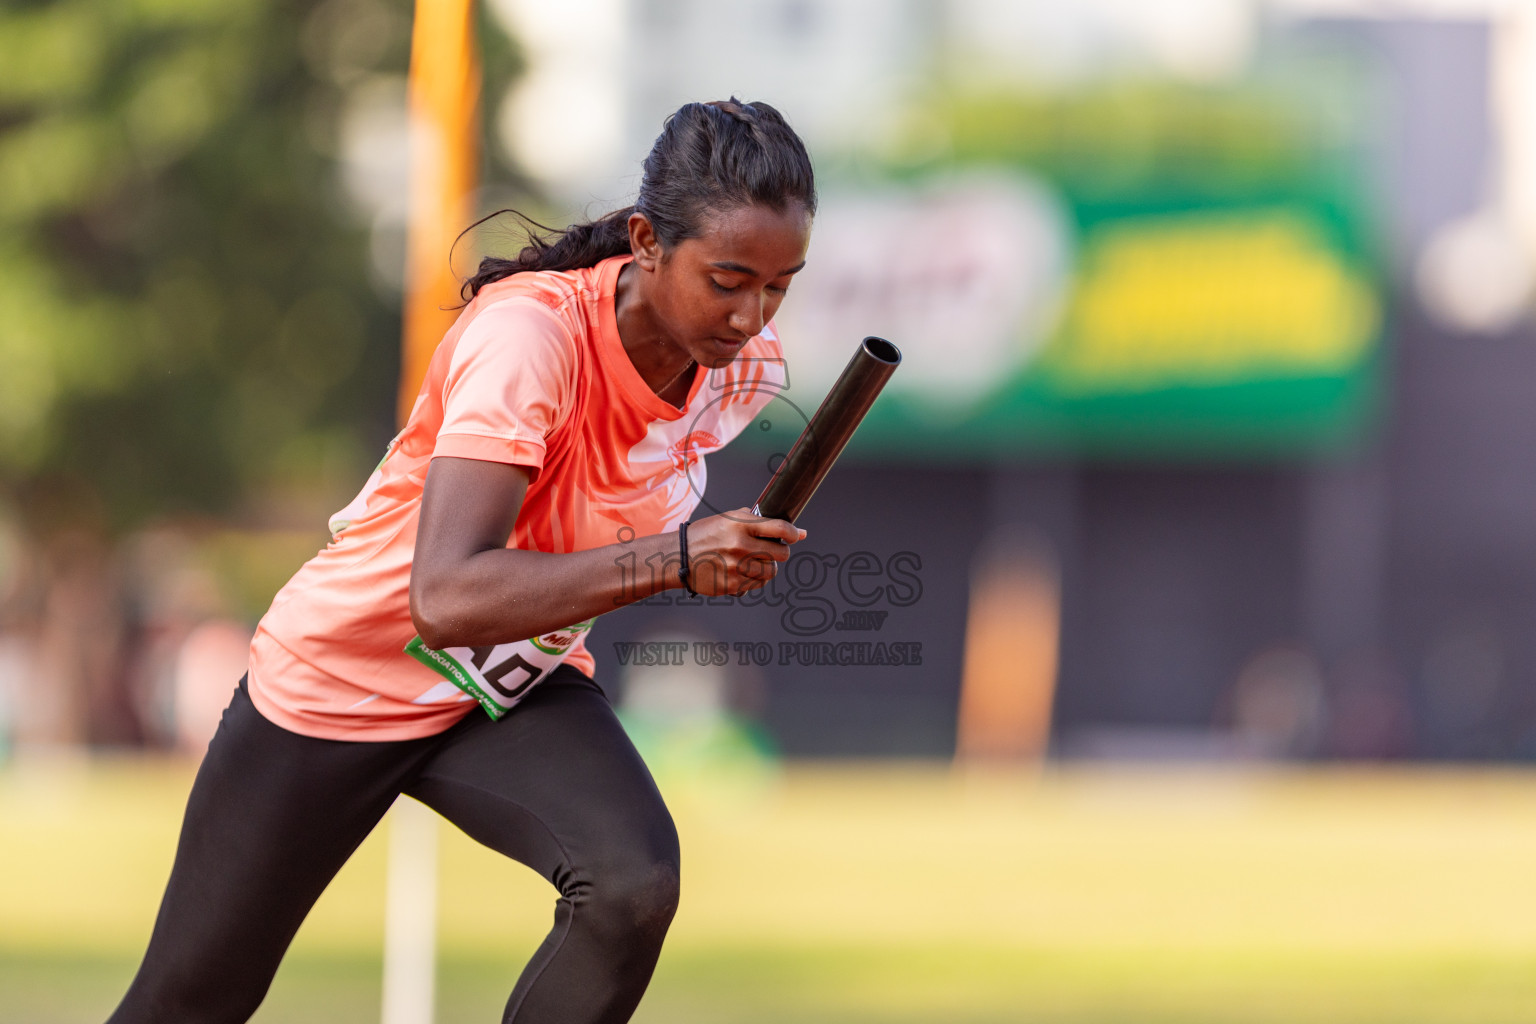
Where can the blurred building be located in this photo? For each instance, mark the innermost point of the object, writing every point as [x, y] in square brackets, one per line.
[1365, 598]
[1211, 438]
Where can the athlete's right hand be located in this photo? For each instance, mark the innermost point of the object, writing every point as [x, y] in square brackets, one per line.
[734, 552]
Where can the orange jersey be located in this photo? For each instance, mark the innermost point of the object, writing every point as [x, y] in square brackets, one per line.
[533, 373]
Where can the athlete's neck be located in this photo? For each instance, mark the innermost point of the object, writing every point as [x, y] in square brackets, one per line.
[659, 360]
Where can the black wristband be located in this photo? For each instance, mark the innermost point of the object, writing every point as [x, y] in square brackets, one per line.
[682, 570]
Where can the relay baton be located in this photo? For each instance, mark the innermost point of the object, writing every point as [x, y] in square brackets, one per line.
[790, 488]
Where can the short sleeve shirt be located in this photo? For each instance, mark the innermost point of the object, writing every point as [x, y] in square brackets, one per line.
[533, 374]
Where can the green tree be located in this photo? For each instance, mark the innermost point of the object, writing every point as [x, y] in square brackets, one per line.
[184, 308]
[186, 318]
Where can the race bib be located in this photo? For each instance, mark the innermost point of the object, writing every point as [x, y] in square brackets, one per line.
[499, 676]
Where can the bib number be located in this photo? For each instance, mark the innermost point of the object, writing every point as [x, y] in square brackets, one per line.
[500, 675]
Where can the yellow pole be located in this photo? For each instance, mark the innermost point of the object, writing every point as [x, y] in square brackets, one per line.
[443, 103]
[445, 152]
[1008, 682]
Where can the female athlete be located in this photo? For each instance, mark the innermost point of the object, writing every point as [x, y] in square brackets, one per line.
[555, 446]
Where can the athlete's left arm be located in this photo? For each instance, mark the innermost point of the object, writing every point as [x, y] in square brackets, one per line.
[469, 589]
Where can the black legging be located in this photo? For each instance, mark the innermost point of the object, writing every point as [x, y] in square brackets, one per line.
[273, 815]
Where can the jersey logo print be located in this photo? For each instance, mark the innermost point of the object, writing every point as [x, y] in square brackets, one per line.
[685, 452]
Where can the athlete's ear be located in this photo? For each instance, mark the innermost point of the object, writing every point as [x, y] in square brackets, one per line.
[643, 242]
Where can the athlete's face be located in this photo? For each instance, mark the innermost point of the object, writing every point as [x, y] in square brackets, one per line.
[715, 291]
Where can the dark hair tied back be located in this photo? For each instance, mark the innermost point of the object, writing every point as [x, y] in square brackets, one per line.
[710, 156]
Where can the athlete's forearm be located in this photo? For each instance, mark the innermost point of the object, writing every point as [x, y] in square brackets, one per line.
[504, 594]
[468, 589]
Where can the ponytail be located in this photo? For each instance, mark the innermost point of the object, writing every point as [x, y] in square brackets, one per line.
[709, 156]
[580, 245]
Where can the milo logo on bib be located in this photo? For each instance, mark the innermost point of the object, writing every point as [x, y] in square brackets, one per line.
[500, 675]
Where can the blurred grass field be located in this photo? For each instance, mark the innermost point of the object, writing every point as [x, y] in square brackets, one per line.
[889, 894]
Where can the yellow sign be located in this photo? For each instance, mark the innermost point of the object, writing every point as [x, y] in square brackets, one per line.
[1205, 299]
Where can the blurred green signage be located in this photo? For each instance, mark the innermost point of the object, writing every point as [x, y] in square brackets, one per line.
[1206, 286]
